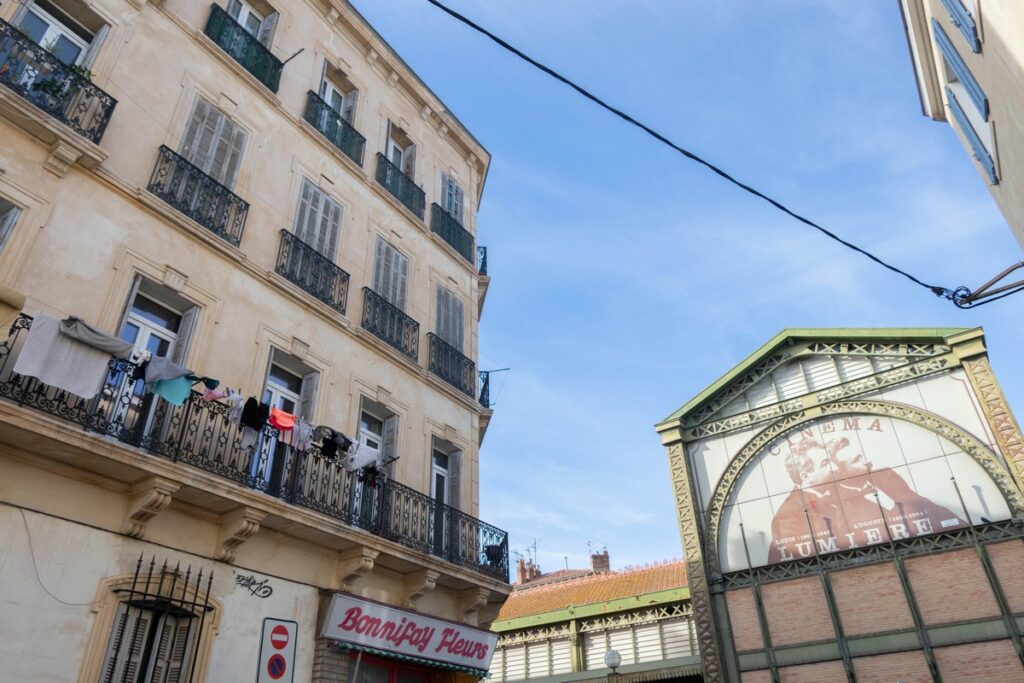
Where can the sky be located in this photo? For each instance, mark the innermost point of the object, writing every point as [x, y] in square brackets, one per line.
[625, 279]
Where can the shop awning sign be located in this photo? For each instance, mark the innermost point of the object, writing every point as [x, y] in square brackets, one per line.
[382, 627]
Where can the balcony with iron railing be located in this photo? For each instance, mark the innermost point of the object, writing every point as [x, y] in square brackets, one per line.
[61, 90]
[186, 188]
[448, 363]
[334, 127]
[243, 47]
[199, 434]
[390, 324]
[313, 272]
[448, 228]
[402, 187]
[481, 260]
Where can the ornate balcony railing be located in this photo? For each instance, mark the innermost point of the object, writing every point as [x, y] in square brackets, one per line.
[448, 363]
[485, 388]
[481, 260]
[451, 231]
[312, 271]
[64, 92]
[400, 185]
[200, 434]
[243, 47]
[334, 127]
[389, 323]
[198, 196]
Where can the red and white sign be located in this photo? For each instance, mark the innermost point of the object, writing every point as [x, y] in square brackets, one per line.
[353, 620]
[277, 652]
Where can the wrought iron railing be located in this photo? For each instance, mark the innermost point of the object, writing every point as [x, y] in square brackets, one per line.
[389, 323]
[200, 434]
[62, 91]
[243, 47]
[451, 231]
[334, 127]
[481, 260]
[485, 388]
[400, 185]
[195, 194]
[303, 265]
[448, 363]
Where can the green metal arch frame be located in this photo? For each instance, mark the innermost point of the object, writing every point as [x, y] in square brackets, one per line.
[944, 428]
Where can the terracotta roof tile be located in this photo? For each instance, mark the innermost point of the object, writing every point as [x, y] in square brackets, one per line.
[534, 598]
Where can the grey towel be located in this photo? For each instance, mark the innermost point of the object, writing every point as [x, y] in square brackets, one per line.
[164, 368]
[76, 328]
[61, 361]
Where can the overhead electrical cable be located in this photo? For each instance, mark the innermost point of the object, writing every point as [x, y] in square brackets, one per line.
[960, 296]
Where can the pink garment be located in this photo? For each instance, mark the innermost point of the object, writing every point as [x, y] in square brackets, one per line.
[214, 394]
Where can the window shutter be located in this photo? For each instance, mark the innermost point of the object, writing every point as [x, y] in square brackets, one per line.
[332, 230]
[457, 207]
[401, 279]
[171, 644]
[134, 646]
[409, 162]
[7, 220]
[267, 29]
[204, 146]
[307, 395]
[228, 154]
[378, 267]
[301, 228]
[964, 20]
[456, 322]
[455, 479]
[390, 445]
[179, 354]
[349, 107]
[132, 292]
[94, 46]
[441, 321]
[960, 70]
[196, 123]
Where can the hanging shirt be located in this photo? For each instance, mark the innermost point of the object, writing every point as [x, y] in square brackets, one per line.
[249, 438]
[254, 414]
[61, 361]
[280, 420]
[235, 404]
[174, 391]
[76, 328]
[300, 436]
[160, 368]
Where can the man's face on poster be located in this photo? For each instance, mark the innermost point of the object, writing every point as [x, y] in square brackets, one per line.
[810, 462]
[847, 461]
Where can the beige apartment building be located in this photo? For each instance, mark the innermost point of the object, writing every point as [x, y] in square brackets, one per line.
[265, 196]
[968, 58]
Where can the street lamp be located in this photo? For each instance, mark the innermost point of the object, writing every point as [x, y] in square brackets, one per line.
[612, 659]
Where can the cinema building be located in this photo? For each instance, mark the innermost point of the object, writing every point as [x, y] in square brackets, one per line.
[238, 247]
[850, 508]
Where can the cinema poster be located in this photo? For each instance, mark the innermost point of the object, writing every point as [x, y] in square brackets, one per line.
[849, 482]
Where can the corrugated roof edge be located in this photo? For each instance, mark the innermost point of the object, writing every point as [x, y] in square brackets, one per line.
[798, 333]
[592, 609]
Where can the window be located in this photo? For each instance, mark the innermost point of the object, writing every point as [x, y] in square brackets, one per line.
[449, 318]
[390, 273]
[958, 76]
[158, 648]
[451, 197]
[339, 93]
[374, 670]
[378, 429]
[445, 469]
[400, 150]
[290, 386]
[57, 32]
[214, 143]
[318, 220]
[8, 217]
[258, 19]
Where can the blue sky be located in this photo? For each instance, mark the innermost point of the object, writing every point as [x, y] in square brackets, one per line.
[625, 278]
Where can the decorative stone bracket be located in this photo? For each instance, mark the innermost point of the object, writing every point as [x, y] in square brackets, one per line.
[471, 602]
[237, 527]
[353, 564]
[149, 498]
[419, 584]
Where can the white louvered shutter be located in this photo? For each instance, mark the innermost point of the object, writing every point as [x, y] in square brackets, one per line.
[595, 645]
[409, 162]
[267, 28]
[390, 445]
[302, 216]
[348, 107]
[449, 317]
[458, 203]
[621, 640]
[390, 273]
[561, 657]
[538, 663]
[307, 395]
[183, 340]
[648, 643]
[676, 638]
[497, 666]
[213, 143]
[515, 663]
[228, 153]
[171, 646]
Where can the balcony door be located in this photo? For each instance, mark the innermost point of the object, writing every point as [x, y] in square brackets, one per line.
[439, 491]
[213, 143]
[282, 390]
[390, 273]
[54, 35]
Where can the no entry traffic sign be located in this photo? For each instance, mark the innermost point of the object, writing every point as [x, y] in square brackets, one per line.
[277, 651]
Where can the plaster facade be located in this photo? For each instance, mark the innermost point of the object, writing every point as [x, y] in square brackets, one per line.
[88, 228]
[988, 37]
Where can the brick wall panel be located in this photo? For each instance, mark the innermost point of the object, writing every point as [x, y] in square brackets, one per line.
[1008, 560]
[991, 662]
[870, 599]
[797, 612]
[813, 673]
[746, 630]
[911, 667]
[762, 676]
[951, 586]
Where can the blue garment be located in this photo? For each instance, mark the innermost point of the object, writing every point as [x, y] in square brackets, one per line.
[174, 391]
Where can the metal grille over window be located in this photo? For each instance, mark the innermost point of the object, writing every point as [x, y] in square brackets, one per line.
[160, 617]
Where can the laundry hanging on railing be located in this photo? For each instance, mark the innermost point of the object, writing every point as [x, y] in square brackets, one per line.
[254, 416]
[76, 328]
[60, 360]
[174, 391]
[280, 420]
[300, 436]
[331, 440]
[361, 456]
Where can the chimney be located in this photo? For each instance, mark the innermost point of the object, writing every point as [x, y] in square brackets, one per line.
[526, 571]
[600, 563]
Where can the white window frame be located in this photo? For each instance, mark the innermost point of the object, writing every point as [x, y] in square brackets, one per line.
[56, 29]
[243, 12]
[444, 473]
